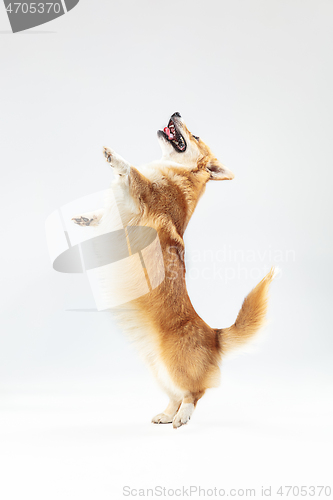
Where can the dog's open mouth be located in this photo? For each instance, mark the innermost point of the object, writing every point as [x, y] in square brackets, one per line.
[172, 134]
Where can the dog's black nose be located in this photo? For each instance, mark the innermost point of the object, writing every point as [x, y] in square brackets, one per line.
[176, 114]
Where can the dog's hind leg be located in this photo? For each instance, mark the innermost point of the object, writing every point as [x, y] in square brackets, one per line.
[167, 416]
[186, 409]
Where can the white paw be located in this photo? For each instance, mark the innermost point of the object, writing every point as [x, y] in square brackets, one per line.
[162, 418]
[108, 153]
[183, 415]
[121, 166]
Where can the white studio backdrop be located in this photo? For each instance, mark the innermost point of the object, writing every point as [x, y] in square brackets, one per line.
[254, 80]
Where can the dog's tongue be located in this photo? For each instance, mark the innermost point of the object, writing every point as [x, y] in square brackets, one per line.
[168, 133]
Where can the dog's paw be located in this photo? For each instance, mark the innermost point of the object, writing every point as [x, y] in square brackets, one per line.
[162, 418]
[180, 420]
[108, 154]
[120, 166]
[80, 220]
[183, 415]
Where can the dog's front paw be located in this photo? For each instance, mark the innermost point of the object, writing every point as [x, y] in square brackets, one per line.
[85, 221]
[162, 418]
[108, 154]
[120, 166]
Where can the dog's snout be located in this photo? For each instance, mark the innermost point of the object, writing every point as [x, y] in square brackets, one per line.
[177, 114]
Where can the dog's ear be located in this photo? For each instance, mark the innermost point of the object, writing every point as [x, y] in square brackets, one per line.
[218, 172]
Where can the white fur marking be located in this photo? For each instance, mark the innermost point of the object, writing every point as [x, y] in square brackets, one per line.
[184, 414]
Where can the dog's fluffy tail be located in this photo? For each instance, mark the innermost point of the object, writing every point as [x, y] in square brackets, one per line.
[250, 318]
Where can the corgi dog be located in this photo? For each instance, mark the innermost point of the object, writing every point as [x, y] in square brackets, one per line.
[181, 349]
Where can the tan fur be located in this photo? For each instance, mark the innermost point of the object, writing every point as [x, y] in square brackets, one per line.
[250, 318]
[182, 350]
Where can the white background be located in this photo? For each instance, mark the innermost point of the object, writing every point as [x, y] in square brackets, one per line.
[254, 79]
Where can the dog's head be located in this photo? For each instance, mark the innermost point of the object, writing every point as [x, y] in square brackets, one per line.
[179, 145]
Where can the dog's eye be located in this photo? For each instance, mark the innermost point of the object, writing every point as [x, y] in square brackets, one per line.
[196, 137]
